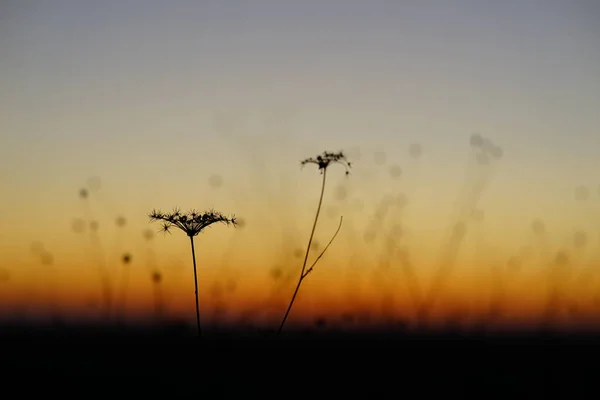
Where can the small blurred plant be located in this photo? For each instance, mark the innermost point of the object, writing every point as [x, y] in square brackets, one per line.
[126, 263]
[192, 223]
[322, 161]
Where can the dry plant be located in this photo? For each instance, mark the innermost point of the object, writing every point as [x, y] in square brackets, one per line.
[192, 223]
[478, 177]
[97, 249]
[322, 161]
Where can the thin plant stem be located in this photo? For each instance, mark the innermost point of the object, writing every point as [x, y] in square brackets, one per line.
[158, 301]
[195, 285]
[309, 270]
[302, 276]
[192, 223]
[124, 287]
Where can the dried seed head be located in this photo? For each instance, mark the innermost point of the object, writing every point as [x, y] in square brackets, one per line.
[191, 222]
[323, 160]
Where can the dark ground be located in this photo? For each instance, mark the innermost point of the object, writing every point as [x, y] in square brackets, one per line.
[171, 362]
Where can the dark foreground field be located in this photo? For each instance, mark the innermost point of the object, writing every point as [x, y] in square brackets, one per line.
[171, 362]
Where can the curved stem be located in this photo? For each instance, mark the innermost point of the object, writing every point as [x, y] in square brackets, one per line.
[309, 270]
[195, 285]
[312, 233]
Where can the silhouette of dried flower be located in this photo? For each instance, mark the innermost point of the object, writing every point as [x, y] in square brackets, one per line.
[192, 223]
[322, 161]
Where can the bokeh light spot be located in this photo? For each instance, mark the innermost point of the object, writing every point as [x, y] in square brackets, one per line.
[538, 227]
[121, 221]
[395, 171]
[476, 140]
[415, 150]
[215, 181]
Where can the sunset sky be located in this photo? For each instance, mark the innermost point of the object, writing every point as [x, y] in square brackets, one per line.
[201, 104]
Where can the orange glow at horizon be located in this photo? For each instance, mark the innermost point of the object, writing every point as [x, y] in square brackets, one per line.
[343, 293]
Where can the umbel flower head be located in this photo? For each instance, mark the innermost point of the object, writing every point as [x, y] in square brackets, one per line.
[191, 222]
[323, 161]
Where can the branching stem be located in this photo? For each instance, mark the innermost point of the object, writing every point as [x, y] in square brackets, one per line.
[302, 273]
[325, 249]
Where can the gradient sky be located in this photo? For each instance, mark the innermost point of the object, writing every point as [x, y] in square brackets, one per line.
[158, 97]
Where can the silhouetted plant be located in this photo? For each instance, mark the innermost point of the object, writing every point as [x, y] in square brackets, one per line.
[485, 153]
[154, 274]
[96, 245]
[158, 298]
[322, 161]
[192, 223]
[126, 261]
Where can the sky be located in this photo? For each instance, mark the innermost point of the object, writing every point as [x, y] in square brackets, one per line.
[476, 113]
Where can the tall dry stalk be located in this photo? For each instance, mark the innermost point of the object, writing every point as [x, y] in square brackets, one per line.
[192, 223]
[322, 161]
